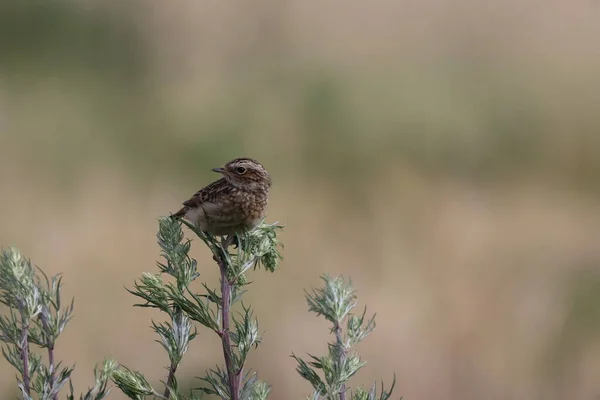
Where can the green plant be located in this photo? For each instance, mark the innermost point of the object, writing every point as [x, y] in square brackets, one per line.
[37, 316]
[335, 301]
[211, 309]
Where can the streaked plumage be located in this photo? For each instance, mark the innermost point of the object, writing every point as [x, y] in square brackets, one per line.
[234, 203]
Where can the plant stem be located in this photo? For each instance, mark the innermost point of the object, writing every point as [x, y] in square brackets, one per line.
[232, 375]
[342, 360]
[50, 346]
[25, 357]
[51, 366]
[158, 395]
[170, 379]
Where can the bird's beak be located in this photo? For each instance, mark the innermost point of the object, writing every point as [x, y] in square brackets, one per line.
[219, 170]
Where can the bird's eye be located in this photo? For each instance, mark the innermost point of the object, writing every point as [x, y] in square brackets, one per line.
[240, 170]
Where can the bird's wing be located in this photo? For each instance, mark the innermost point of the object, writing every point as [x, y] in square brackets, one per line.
[205, 196]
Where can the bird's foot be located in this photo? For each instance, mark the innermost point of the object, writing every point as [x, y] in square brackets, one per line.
[231, 240]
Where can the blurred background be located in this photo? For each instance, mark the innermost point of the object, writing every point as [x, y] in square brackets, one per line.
[445, 154]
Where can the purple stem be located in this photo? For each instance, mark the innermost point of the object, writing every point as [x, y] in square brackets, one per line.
[170, 379]
[232, 375]
[338, 336]
[25, 357]
[51, 366]
[50, 346]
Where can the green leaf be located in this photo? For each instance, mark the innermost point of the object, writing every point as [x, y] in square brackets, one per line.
[310, 375]
[246, 333]
[217, 383]
[175, 337]
[357, 329]
[132, 383]
[334, 301]
[152, 289]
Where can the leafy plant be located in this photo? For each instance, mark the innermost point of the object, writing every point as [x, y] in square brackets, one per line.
[37, 316]
[212, 309]
[335, 301]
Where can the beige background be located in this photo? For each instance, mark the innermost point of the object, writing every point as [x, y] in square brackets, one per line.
[444, 154]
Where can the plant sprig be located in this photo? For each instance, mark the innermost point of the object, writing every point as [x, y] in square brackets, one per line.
[36, 316]
[211, 309]
[329, 374]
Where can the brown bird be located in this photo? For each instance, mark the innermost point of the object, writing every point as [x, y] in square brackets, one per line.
[233, 204]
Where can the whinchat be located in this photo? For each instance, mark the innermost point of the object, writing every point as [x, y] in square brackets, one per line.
[233, 204]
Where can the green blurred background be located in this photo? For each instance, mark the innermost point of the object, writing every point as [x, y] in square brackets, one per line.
[444, 154]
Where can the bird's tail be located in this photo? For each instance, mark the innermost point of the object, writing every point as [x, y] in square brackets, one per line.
[179, 214]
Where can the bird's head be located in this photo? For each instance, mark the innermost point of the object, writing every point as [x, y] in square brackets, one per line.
[246, 173]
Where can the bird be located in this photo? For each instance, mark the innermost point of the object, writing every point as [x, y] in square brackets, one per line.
[233, 204]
